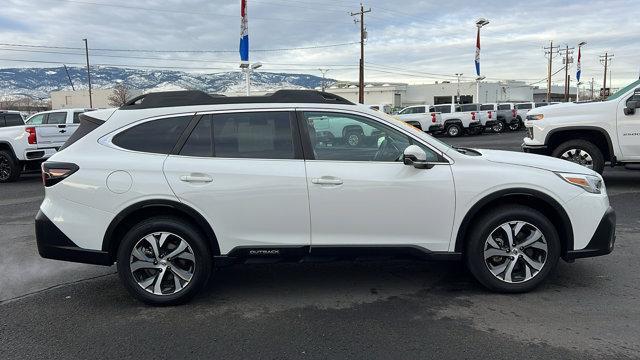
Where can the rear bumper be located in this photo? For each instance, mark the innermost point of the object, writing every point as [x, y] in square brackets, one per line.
[39, 153]
[602, 241]
[54, 244]
[535, 149]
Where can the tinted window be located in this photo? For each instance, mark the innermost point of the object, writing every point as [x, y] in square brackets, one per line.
[445, 109]
[504, 107]
[156, 136]
[524, 106]
[346, 137]
[57, 118]
[13, 119]
[469, 107]
[200, 142]
[264, 135]
[35, 119]
[486, 107]
[76, 117]
[541, 104]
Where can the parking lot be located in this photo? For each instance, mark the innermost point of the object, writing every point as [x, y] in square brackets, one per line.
[399, 309]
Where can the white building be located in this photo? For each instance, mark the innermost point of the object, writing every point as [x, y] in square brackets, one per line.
[80, 98]
[438, 93]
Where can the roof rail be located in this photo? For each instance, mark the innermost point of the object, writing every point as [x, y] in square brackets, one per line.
[195, 97]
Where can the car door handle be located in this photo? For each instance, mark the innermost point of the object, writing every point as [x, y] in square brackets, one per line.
[196, 178]
[326, 180]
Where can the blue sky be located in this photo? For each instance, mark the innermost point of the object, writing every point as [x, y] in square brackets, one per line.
[409, 41]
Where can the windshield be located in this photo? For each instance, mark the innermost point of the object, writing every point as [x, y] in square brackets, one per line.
[624, 90]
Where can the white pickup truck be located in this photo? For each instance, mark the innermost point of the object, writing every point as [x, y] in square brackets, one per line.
[424, 117]
[460, 118]
[24, 147]
[590, 134]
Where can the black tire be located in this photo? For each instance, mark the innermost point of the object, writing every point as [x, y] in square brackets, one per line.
[515, 126]
[353, 138]
[9, 167]
[498, 127]
[597, 158]
[454, 130]
[484, 226]
[201, 252]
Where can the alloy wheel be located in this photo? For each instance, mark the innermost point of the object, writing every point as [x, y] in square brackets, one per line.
[515, 252]
[498, 127]
[162, 263]
[453, 131]
[578, 156]
[353, 139]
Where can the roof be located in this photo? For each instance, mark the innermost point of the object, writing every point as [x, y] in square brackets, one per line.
[194, 97]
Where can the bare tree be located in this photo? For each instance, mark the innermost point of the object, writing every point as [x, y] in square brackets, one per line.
[120, 95]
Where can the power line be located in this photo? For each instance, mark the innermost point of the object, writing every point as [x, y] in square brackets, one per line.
[182, 51]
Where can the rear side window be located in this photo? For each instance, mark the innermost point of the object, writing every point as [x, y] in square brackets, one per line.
[541, 104]
[76, 117]
[57, 118]
[504, 107]
[155, 136]
[486, 107]
[469, 108]
[524, 106]
[200, 142]
[445, 109]
[13, 120]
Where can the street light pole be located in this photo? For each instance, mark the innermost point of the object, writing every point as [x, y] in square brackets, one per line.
[323, 71]
[458, 75]
[86, 51]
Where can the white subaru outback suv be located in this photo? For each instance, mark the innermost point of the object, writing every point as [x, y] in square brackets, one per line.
[172, 184]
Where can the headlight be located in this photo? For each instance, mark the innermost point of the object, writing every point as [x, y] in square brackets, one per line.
[535, 117]
[590, 183]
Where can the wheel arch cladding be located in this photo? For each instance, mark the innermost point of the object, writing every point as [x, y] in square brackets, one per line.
[151, 208]
[7, 147]
[598, 136]
[528, 197]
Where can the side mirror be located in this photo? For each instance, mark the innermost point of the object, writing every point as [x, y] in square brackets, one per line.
[416, 157]
[631, 107]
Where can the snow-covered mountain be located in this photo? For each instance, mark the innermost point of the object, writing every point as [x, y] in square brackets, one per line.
[39, 82]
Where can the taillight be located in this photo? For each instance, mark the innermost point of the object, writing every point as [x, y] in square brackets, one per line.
[473, 115]
[54, 172]
[32, 135]
[433, 117]
[489, 114]
[513, 112]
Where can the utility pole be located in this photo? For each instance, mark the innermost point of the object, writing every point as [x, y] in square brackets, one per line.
[592, 80]
[69, 77]
[458, 75]
[567, 60]
[551, 51]
[606, 57]
[86, 52]
[323, 71]
[363, 36]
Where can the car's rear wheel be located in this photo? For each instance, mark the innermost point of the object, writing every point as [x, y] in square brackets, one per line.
[454, 130]
[353, 138]
[9, 167]
[164, 261]
[512, 249]
[515, 126]
[581, 152]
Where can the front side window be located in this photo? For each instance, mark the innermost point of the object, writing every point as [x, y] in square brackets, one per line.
[256, 135]
[35, 119]
[57, 118]
[13, 120]
[346, 137]
[155, 136]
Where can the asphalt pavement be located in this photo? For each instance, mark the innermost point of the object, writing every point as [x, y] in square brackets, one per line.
[356, 310]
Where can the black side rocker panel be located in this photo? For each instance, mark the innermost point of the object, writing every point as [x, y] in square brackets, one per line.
[54, 244]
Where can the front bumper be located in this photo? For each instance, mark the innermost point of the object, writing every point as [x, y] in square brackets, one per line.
[535, 149]
[602, 241]
[54, 244]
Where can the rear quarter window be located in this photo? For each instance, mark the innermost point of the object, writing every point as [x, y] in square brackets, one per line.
[155, 136]
[13, 120]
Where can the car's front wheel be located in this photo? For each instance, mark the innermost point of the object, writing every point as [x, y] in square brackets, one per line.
[512, 249]
[454, 130]
[9, 167]
[581, 152]
[164, 261]
[498, 127]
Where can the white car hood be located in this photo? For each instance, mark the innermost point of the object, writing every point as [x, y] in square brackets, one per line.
[533, 160]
